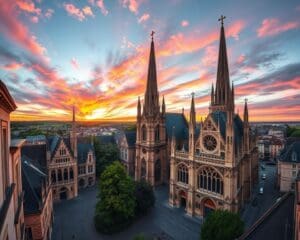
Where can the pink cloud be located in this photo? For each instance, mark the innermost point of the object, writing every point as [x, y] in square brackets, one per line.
[101, 5]
[74, 11]
[144, 18]
[182, 43]
[15, 30]
[87, 11]
[133, 5]
[272, 26]
[34, 19]
[241, 59]
[75, 63]
[210, 56]
[49, 13]
[28, 6]
[184, 23]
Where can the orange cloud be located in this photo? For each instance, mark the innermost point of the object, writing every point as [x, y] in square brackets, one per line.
[28, 6]
[12, 66]
[74, 11]
[88, 11]
[102, 7]
[133, 5]
[272, 26]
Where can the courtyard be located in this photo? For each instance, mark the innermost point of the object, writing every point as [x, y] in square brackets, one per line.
[73, 219]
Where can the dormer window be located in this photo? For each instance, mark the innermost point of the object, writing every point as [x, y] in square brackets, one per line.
[62, 152]
[90, 157]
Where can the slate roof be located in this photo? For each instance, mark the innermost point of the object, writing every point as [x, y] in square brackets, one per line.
[33, 181]
[221, 117]
[290, 152]
[82, 151]
[54, 141]
[180, 123]
[277, 225]
[130, 137]
[36, 153]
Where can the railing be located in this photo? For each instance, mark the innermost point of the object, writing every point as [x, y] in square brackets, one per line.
[202, 157]
[63, 182]
[4, 208]
[20, 203]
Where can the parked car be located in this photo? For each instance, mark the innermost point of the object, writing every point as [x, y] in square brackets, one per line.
[261, 190]
[264, 176]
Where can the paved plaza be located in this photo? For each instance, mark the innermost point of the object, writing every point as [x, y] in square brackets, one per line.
[73, 219]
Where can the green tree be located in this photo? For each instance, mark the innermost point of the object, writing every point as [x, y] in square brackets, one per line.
[105, 155]
[222, 225]
[145, 198]
[116, 205]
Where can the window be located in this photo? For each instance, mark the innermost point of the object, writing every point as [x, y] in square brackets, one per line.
[157, 133]
[90, 157]
[294, 156]
[81, 169]
[157, 170]
[144, 133]
[59, 175]
[210, 180]
[71, 173]
[53, 176]
[183, 174]
[65, 174]
[294, 165]
[90, 169]
[143, 169]
[62, 152]
[294, 173]
[28, 234]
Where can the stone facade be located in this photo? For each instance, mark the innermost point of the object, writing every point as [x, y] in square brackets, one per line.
[219, 167]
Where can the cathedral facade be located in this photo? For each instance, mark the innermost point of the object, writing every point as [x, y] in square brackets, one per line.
[220, 165]
[211, 165]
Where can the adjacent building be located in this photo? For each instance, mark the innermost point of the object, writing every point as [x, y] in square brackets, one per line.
[289, 165]
[11, 197]
[38, 200]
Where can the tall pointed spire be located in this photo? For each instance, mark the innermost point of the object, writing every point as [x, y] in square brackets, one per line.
[151, 94]
[139, 113]
[246, 116]
[163, 106]
[73, 137]
[222, 92]
[193, 112]
[212, 95]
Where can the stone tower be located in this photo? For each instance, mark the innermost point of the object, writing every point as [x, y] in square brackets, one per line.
[151, 146]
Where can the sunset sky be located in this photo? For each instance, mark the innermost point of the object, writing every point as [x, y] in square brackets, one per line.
[94, 54]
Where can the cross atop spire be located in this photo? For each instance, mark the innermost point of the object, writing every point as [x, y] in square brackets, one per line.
[221, 19]
[152, 34]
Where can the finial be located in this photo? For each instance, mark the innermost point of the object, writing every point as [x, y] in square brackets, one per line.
[152, 34]
[222, 19]
[193, 94]
[246, 100]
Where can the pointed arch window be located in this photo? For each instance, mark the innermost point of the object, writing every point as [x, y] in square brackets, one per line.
[183, 174]
[157, 133]
[144, 133]
[65, 174]
[53, 176]
[71, 173]
[157, 170]
[143, 169]
[59, 175]
[210, 180]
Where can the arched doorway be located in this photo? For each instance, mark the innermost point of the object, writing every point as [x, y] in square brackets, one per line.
[81, 182]
[182, 198]
[208, 207]
[63, 193]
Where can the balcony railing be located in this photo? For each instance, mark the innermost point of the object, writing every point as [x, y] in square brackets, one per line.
[5, 206]
[202, 157]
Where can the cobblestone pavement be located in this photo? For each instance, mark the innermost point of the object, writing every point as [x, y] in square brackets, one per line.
[73, 219]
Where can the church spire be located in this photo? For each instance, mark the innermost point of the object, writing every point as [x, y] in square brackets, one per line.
[246, 118]
[163, 106]
[73, 137]
[222, 92]
[193, 112]
[212, 95]
[139, 113]
[151, 106]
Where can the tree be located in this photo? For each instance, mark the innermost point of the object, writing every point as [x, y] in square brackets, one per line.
[145, 198]
[222, 225]
[116, 206]
[105, 155]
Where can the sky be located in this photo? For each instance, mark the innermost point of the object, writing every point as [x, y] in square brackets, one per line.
[94, 54]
